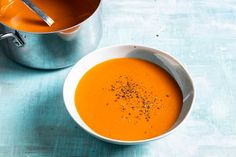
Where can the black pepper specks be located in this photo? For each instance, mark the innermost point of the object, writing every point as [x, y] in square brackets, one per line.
[136, 102]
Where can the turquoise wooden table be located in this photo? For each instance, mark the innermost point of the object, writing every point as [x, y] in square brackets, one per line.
[200, 33]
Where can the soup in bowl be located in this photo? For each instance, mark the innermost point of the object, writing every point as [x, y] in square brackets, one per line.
[128, 94]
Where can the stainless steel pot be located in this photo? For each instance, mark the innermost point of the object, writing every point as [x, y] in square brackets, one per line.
[52, 50]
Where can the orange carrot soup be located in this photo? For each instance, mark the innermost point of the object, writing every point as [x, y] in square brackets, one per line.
[128, 99]
[65, 13]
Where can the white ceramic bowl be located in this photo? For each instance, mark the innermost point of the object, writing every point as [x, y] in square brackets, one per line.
[167, 62]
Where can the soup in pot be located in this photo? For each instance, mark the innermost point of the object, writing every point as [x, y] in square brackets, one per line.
[65, 13]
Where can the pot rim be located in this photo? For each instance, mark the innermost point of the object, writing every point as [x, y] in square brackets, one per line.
[58, 31]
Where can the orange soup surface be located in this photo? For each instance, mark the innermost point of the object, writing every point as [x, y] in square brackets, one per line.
[65, 13]
[128, 99]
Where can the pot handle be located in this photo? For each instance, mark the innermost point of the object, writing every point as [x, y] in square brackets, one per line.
[15, 38]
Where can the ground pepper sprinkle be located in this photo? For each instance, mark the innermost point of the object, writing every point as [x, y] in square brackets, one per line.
[130, 94]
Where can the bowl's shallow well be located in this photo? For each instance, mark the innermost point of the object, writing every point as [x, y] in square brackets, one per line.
[166, 61]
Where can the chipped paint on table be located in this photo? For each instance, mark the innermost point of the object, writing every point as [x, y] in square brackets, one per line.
[200, 33]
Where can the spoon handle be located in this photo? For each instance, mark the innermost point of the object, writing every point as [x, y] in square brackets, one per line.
[39, 12]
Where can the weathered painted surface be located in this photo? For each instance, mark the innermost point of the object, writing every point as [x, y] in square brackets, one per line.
[200, 33]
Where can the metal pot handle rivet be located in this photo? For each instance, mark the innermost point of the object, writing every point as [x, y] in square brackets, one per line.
[16, 39]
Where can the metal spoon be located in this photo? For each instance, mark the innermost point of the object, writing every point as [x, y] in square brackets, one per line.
[39, 12]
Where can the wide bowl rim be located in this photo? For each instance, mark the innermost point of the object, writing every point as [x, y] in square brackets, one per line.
[133, 142]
